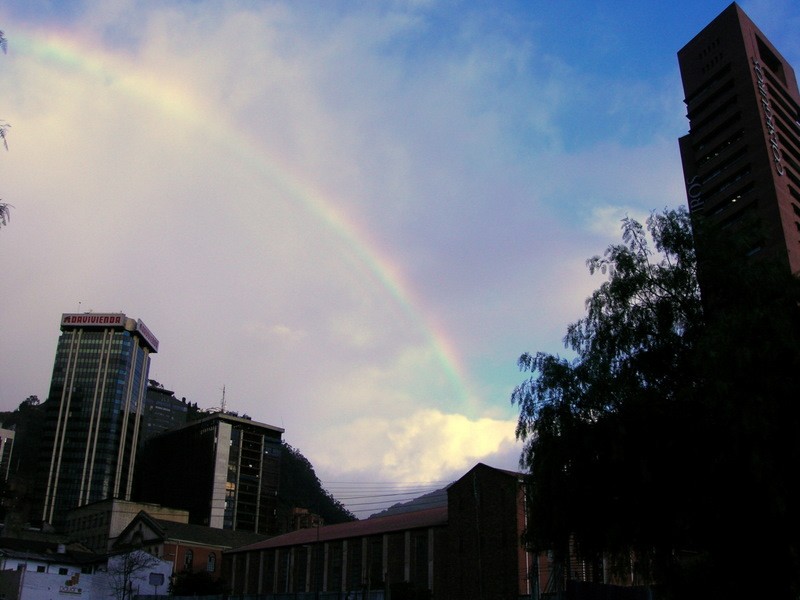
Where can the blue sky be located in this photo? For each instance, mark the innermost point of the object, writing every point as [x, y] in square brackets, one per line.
[354, 216]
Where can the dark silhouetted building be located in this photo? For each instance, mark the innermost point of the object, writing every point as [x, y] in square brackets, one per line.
[162, 411]
[469, 549]
[93, 412]
[486, 521]
[223, 469]
[6, 452]
[741, 157]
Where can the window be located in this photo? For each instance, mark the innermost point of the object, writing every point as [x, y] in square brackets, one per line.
[212, 563]
[188, 559]
[40, 569]
[769, 58]
[62, 570]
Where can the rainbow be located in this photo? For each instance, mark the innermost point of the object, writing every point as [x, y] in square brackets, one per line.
[92, 61]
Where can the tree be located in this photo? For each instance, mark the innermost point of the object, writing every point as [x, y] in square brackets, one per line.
[660, 435]
[198, 584]
[4, 127]
[5, 208]
[5, 213]
[18, 490]
[301, 488]
[128, 568]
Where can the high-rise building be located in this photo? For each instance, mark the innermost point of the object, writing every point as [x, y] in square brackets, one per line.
[741, 157]
[224, 469]
[93, 411]
[162, 411]
[6, 452]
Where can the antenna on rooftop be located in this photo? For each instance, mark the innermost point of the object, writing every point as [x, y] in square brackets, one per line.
[222, 402]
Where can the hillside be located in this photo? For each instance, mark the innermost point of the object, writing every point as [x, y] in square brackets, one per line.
[301, 488]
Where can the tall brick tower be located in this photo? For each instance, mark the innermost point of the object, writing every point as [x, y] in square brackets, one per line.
[741, 157]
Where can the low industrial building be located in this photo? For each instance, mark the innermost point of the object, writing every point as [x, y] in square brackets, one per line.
[472, 548]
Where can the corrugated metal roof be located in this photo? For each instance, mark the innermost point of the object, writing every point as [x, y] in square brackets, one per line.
[431, 517]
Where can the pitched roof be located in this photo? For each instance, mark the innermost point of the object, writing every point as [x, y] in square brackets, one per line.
[431, 517]
[484, 467]
[187, 533]
[48, 552]
[210, 536]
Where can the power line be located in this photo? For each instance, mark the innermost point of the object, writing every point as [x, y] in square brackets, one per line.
[379, 496]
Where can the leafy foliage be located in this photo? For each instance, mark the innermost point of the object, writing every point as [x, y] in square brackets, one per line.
[5, 208]
[17, 490]
[4, 127]
[675, 419]
[201, 583]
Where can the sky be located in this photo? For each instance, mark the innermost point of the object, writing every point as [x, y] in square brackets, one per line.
[353, 217]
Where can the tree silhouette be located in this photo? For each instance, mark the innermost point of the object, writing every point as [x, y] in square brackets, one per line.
[127, 568]
[5, 208]
[671, 436]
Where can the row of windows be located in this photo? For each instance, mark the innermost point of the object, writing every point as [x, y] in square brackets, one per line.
[723, 167]
[788, 153]
[720, 111]
[713, 45]
[729, 201]
[709, 84]
[780, 95]
[731, 181]
[96, 519]
[188, 561]
[721, 147]
[694, 112]
[43, 569]
[713, 62]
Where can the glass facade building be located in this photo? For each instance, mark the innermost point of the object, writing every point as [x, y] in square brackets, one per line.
[162, 411]
[224, 469]
[93, 413]
[6, 452]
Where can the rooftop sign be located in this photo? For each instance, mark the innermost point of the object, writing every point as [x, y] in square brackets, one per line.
[110, 320]
[147, 335]
[93, 319]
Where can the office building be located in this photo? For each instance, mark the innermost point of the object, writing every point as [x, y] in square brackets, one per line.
[6, 452]
[97, 525]
[741, 157]
[93, 411]
[223, 469]
[162, 411]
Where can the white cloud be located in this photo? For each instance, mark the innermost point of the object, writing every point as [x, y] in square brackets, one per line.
[422, 447]
[241, 175]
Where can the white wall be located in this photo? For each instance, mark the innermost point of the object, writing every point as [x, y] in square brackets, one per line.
[79, 586]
